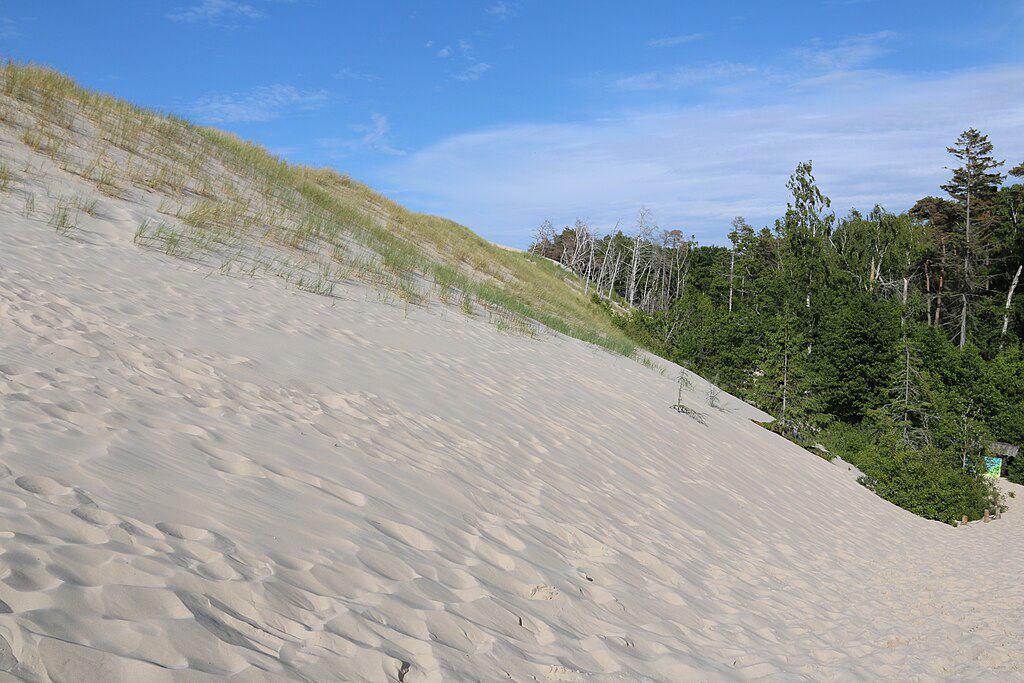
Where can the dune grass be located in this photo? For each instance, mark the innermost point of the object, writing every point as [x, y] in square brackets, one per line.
[236, 206]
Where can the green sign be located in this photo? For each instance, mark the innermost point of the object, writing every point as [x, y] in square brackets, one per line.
[993, 466]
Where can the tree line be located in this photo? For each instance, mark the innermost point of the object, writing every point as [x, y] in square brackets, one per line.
[894, 339]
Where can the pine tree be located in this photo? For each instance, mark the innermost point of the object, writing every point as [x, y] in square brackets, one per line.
[909, 405]
[779, 380]
[972, 184]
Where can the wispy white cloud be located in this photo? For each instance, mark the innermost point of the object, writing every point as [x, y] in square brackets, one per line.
[462, 53]
[473, 72]
[685, 76]
[9, 28]
[374, 136]
[215, 12]
[263, 103]
[669, 41]
[879, 139]
[849, 53]
[502, 10]
[349, 74]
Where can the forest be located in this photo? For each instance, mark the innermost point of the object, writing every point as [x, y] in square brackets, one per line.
[893, 339]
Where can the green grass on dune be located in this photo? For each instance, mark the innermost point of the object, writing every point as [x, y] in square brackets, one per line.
[231, 197]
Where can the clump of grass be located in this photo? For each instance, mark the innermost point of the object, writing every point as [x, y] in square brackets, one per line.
[165, 238]
[85, 205]
[467, 304]
[64, 217]
[714, 398]
[648, 362]
[29, 209]
[142, 232]
[321, 282]
[102, 175]
[6, 176]
[106, 182]
[45, 141]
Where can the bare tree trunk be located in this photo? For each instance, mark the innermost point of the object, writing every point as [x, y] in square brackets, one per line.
[928, 289]
[1009, 302]
[666, 282]
[631, 286]
[590, 268]
[732, 268]
[906, 287]
[646, 279]
[967, 273]
[675, 268]
[963, 320]
[785, 381]
[600, 274]
[686, 271]
[614, 275]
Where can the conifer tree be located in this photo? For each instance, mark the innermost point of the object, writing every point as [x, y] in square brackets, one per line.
[972, 184]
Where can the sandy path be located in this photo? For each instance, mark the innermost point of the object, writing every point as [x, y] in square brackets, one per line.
[206, 476]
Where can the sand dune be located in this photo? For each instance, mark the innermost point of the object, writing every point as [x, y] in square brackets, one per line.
[206, 476]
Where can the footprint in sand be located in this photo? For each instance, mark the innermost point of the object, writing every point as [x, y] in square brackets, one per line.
[182, 531]
[94, 515]
[42, 486]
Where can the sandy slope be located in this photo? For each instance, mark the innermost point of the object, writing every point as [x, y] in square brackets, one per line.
[205, 476]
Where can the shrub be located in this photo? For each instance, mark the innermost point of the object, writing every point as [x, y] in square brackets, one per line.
[921, 481]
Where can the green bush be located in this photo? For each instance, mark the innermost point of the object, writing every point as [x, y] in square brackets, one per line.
[916, 482]
[921, 481]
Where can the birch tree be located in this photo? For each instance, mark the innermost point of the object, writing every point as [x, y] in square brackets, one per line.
[641, 242]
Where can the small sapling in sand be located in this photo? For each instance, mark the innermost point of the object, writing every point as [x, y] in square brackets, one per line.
[714, 398]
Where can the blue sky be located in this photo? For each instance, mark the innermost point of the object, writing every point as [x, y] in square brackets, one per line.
[500, 114]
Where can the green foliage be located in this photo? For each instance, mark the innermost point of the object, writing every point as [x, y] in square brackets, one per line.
[928, 488]
[918, 480]
[976, 178]
[853, 355]
[894, 335]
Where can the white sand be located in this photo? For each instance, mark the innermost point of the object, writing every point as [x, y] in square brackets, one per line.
[206, 476]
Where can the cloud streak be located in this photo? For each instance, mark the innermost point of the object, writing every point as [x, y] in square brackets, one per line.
[686, 76]
[263, 103]
[373, 136]
[877, 137]
[473, 72]
[349, 74]
[671, 41]
[472, 69]
[501, 10]
[215, 12]
[850, 53]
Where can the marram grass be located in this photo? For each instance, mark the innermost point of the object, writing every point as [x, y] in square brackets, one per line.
[234, 205]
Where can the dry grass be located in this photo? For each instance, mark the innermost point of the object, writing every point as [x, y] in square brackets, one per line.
[234, 205]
